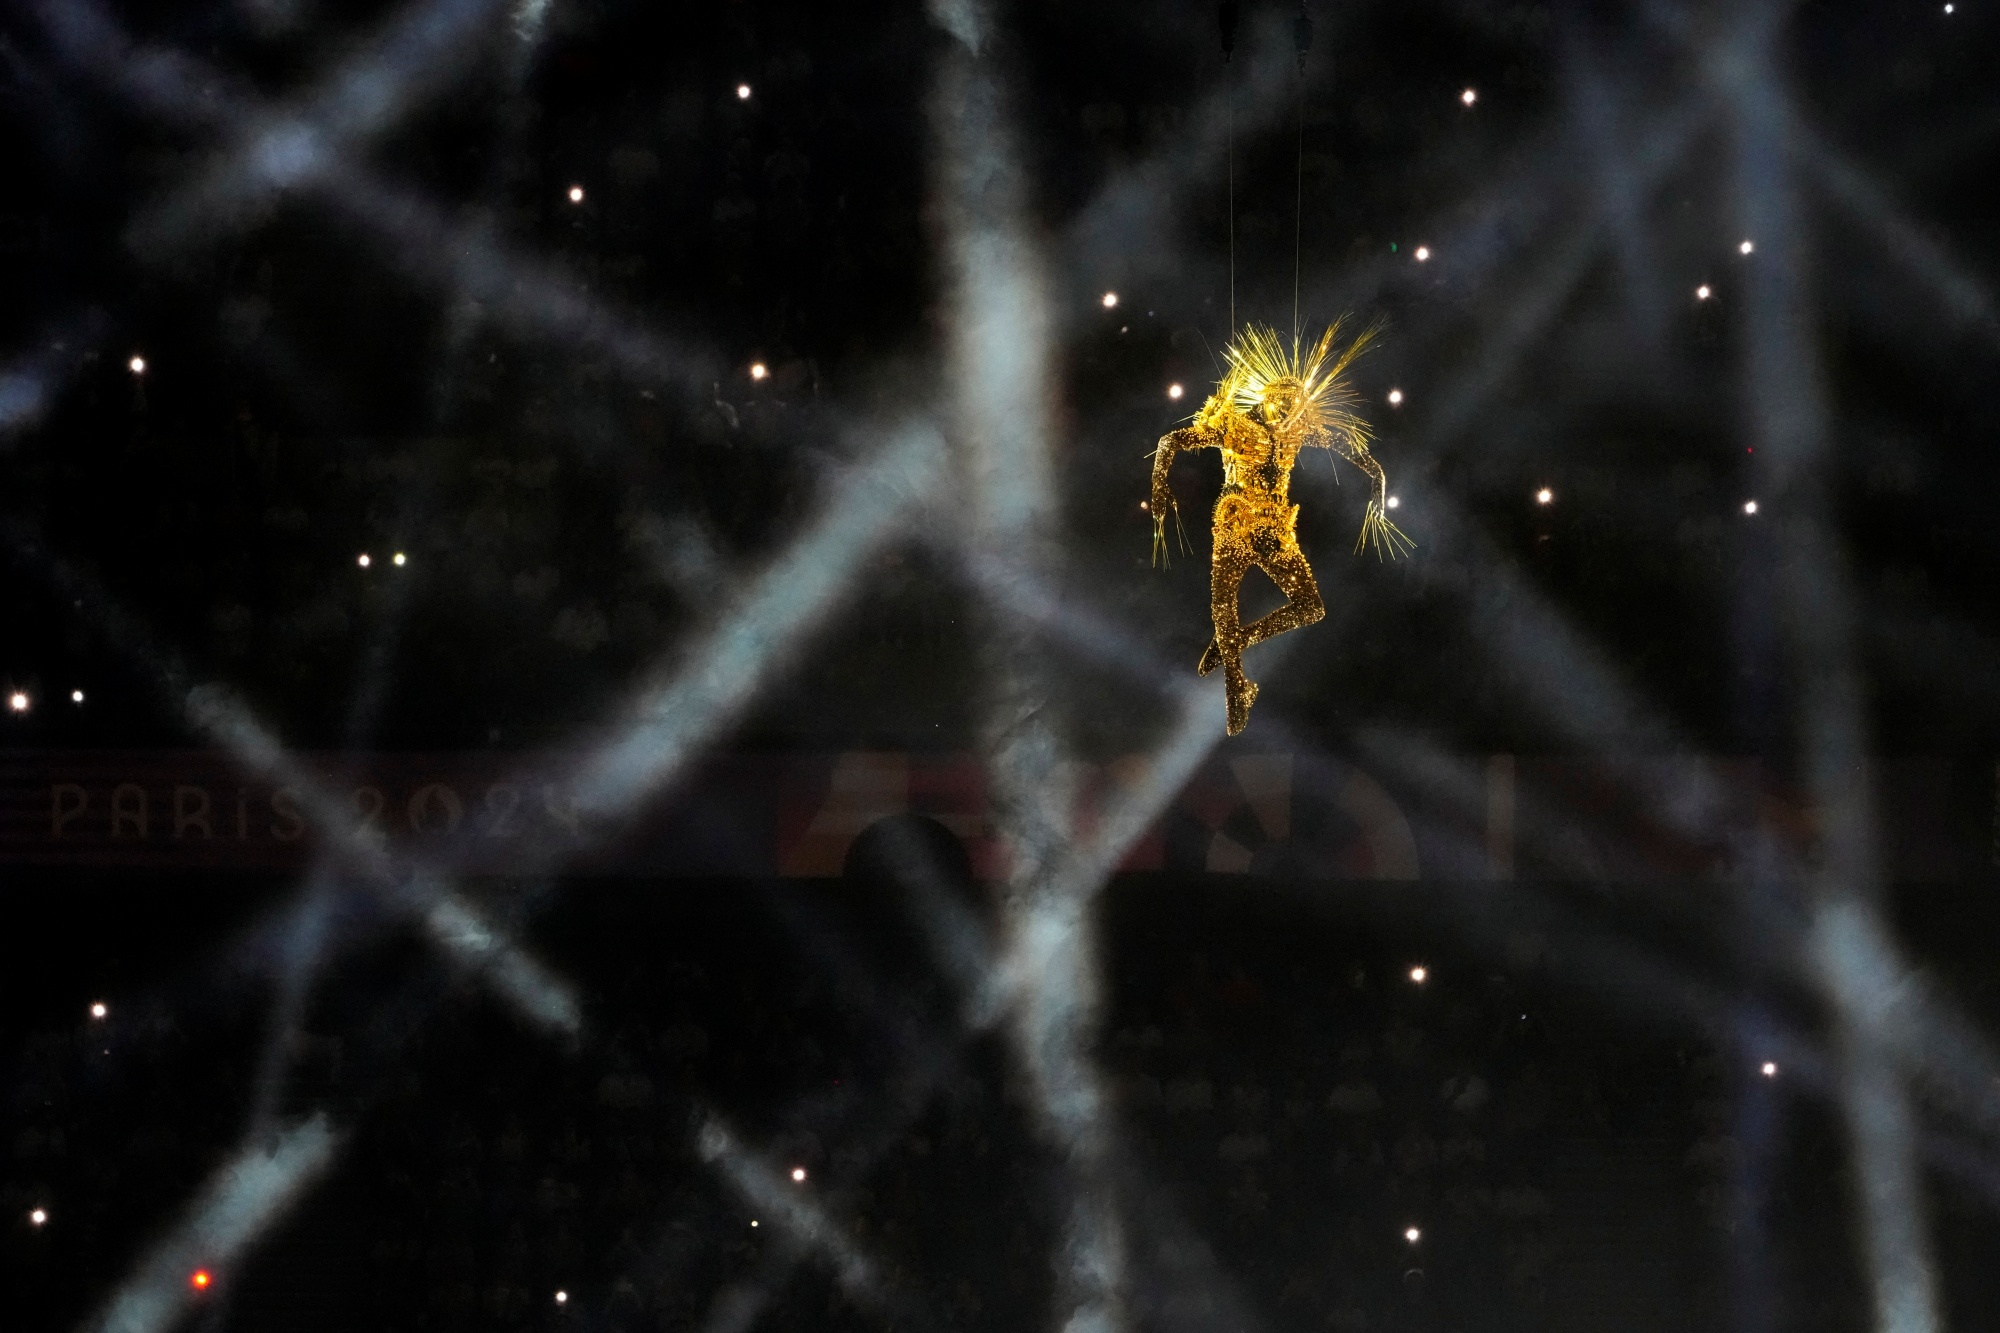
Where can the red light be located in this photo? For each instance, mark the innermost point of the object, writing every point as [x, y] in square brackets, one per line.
[201, 1279]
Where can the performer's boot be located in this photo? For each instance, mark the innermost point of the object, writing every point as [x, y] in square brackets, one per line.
[1242, 693]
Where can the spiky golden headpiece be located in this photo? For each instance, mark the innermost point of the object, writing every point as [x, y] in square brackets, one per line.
[1259, 360]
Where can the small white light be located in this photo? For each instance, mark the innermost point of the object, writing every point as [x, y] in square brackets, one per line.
[76, 696]
[753, 1221]
[1413, 1235]
[99, 1010]
[576, 194]
[137, 365]
[1419, 973]
[562, 1298]
[1745, 248]
[37, 1218]
[1949, 8]
[18, 701]
[1423, 254]
[742, 92]
[1702, 293]
[1395, 502]
[798, 1175]
[1110, 300]
[1395, 397]
[1544, 496]
[400, 559]
[1144, 506]
[363, 560]
[758, 370]
[1770, 1069]
[1469, 96]
[1174, 391]
[1749, 506]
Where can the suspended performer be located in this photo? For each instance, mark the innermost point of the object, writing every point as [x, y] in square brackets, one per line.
[1272, 402]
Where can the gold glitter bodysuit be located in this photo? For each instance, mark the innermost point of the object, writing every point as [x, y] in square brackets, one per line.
[1271, 403]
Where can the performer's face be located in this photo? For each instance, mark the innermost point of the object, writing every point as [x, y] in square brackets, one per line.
[1280, 401]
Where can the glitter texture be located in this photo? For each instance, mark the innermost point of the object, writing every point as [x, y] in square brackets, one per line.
[1273, 401]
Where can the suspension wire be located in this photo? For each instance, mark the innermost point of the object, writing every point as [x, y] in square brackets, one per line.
[1226, 14]
[1302, 40]
[1299, 201]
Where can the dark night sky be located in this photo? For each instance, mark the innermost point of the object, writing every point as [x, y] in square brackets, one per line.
[315, 389]
[374, 322]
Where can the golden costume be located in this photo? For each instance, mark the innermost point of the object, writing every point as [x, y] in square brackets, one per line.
[1271, 403]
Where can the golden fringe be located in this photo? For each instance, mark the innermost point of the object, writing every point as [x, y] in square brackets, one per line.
[1382, 535]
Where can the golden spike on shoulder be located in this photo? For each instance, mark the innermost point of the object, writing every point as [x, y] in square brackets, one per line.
[1222, 402]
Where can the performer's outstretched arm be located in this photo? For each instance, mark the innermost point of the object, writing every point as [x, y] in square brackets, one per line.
[1162, 501]
[1173, 442]
[1376, 529]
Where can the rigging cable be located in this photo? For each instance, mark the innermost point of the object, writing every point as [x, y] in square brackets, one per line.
[1302, 39]
[1225, 19]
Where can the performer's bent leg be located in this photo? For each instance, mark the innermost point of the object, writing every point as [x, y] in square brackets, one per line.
[1225, 577]
[1287, 568]
[1294, 577]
